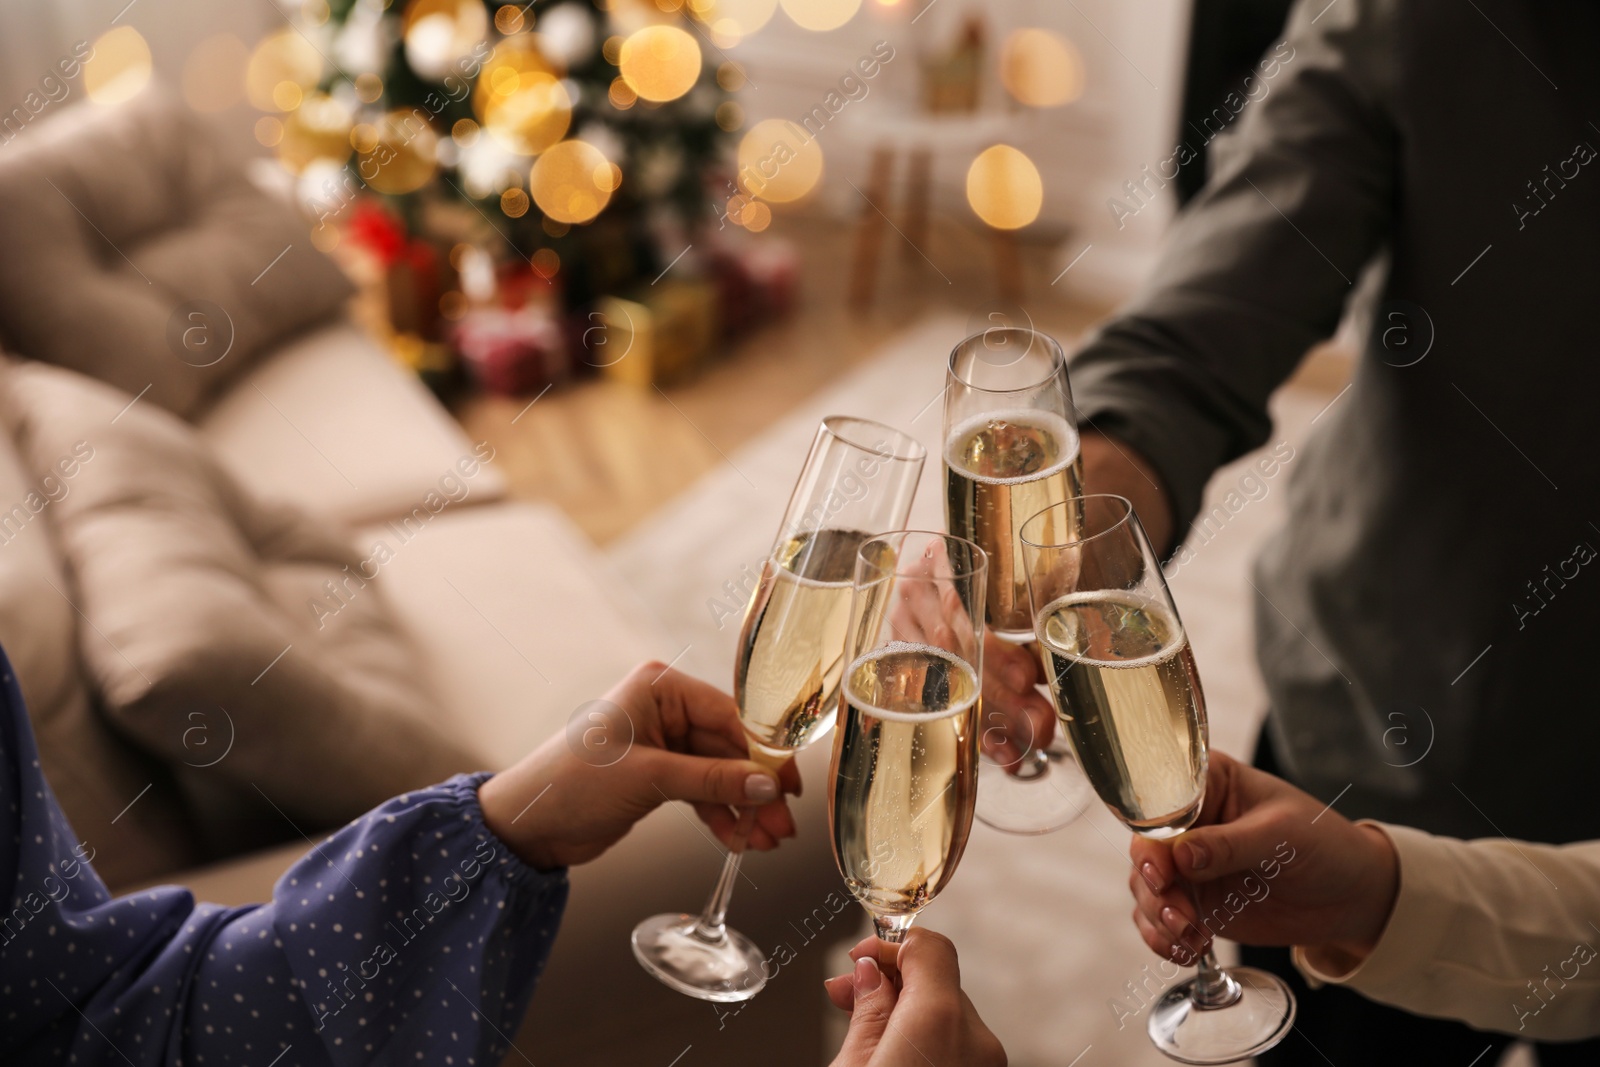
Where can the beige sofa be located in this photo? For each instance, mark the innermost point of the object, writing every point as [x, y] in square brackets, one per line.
[515, 619]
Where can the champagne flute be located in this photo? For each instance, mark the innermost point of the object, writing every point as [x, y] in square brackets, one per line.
[858, 479]
[1128, 694]
[905, 762]
[1011, 448]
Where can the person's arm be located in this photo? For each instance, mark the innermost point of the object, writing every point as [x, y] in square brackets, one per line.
[1497, 933]
[419, 928]
[1494, 933]
[1255, 270]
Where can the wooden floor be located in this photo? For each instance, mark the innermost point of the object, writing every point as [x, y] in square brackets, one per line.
[609, 454]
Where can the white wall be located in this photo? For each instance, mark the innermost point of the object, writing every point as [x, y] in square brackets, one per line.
[35, 33]
[1126, 119]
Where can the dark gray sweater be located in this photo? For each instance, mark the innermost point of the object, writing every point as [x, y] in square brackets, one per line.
[1426, 621]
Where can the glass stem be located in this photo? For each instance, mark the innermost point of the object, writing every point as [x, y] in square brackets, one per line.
[711, 927]
[1034, 764]
[1213, 987]
[891, 930]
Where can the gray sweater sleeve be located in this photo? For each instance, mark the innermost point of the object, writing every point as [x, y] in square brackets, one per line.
[1257, 268]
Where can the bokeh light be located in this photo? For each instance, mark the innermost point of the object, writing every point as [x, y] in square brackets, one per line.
[731, 76]
[286, 96]
[403, 156]
[508, 20]
[730, 116]
[119, 67]
[284, 58]
[318, 129]
[269, 131]
[621, 95]
[779, 161]
[514, 202]
[368, 87]
[660, 63]
[546, 263]
[519, 99]
[564, 185]
[438, 33]
[1041, 69]
[730, 21]
[213, 74]
[821, 15]
[1004, 188]
[755, 216]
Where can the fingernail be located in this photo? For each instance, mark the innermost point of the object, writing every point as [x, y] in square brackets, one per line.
[1172, 921]
[1152, 877]
[1194, 856]
[867, 976]
[760, 788]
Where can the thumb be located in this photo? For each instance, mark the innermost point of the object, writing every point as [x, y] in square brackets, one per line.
[703, 780]
[1211, 852]
[869, 1018]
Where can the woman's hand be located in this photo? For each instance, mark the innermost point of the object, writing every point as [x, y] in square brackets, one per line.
[1016, 716]
[915, 1017]
[1273, 866]
[676, 738]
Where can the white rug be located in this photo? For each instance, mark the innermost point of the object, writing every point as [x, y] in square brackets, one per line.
[1042, 924]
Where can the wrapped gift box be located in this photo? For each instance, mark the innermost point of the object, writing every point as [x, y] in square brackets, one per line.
[757, 282]
[511, 352]
[663, 336]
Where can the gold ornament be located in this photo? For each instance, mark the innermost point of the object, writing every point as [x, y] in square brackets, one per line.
[318, 129]
[566, 182]
[403, 156]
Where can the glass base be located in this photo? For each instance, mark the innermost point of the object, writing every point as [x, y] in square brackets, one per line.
[1258, 1020]
[724, 969]
[1045, 797]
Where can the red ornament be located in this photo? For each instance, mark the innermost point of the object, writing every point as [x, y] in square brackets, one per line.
[377, 230]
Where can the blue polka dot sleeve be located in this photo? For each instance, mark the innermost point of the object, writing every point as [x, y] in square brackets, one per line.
[413, 935]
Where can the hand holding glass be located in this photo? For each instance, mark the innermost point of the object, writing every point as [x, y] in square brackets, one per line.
[1128, 694]
[858, 479]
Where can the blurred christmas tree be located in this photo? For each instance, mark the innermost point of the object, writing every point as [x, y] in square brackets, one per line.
[584, 134]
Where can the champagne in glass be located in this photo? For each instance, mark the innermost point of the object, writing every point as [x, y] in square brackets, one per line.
[1128, 695]
[1010, 450]
[1004, 466]
[859, 477]
[905, 761]
[791, 647]
[1137, 718]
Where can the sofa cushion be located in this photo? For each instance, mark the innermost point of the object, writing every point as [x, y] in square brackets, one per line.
[204, 608]
[135, 248]
[332, 422]
[516, 618]
[96, 775]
